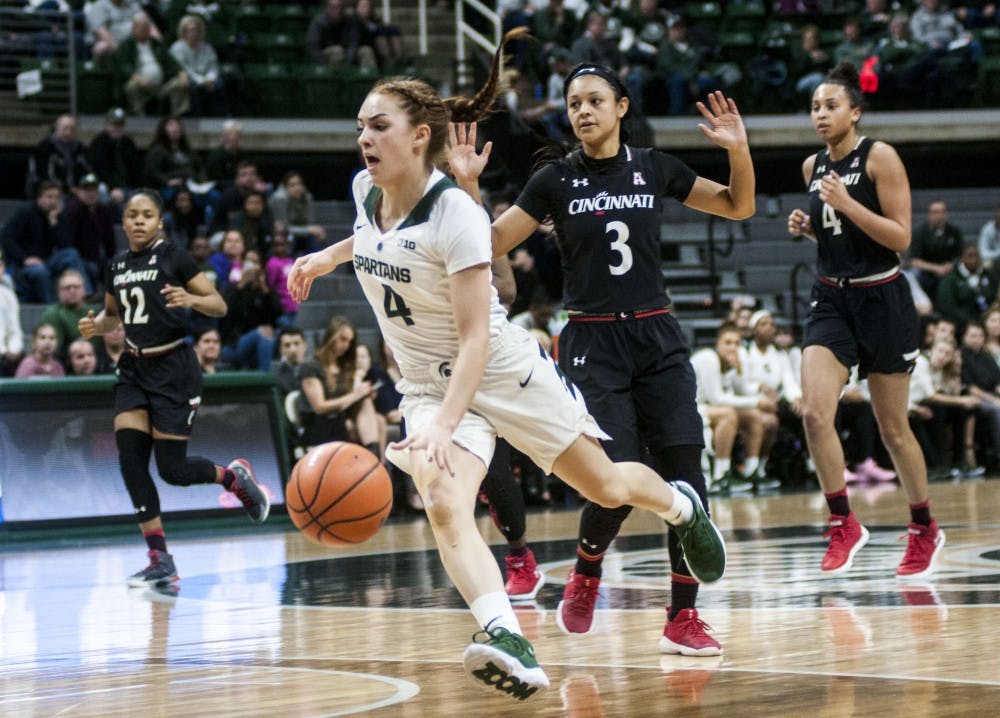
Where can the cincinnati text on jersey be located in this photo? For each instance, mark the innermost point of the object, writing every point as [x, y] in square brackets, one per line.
[851, 179]
[131, 276]
[604, 201]
[380, 269]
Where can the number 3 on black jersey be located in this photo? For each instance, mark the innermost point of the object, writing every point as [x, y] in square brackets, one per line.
[394, 306]
[620, 244]
[134, 314]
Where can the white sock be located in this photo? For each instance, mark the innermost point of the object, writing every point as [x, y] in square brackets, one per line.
[493, 610]
[721, 467]
[680, 512]
[750, 468]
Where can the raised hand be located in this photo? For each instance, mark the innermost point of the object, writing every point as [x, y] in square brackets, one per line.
[466, 164]
[800, 225]
[725, 126]
[833, 191]
[304, 271]
[87, 325]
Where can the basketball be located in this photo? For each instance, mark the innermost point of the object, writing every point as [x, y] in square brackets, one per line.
[339, 494]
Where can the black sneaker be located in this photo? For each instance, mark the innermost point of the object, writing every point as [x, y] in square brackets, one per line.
[255, 499]
[160, 571]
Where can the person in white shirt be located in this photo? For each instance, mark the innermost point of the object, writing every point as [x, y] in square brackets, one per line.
[198, 58]
[11, 334]
[989, 241]
[422, 250]
[109, 22]
[765, 364]
[723, 383]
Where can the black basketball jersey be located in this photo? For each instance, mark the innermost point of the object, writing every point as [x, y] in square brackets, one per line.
[845, 250]
[607, 222]
[135, 280]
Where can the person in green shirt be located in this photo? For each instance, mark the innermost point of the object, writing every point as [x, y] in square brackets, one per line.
[67, 311]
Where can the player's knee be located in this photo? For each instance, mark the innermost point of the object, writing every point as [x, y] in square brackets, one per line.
[611, 494]
[172, 463]
[440, 505]
[815, 418]
[894, 434]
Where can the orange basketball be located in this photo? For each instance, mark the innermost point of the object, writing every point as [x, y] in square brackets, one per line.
[339, 494]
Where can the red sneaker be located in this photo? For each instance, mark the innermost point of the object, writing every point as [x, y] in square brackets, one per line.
[687, 635]
[923, 546]
[847, 536]
[523, 577]
[575, 613]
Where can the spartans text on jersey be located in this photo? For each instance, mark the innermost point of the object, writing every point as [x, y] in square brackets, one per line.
[380, 269]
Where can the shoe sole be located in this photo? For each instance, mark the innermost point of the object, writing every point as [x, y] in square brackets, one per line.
[865, 535]
[668, 646]
[253, 477]
[142, 583]
[562, 626]
[693, 496]
[534, 592]
[478, 657]
[930, 564]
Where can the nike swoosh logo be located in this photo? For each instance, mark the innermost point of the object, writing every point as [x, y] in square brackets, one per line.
[525, 382]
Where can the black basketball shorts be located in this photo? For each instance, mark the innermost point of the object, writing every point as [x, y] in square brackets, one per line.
[168, 387]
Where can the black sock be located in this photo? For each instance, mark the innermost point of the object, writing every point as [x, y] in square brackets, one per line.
[156, 540]
[837, 501]
[589, 565]
[683, 594]
[921, 513]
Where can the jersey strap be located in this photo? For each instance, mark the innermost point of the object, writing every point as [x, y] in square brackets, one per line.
[420, 213]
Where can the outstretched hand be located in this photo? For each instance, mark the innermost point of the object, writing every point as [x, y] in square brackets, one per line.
[466, 164]
[305, 270]
[725, 126]
[435, 443]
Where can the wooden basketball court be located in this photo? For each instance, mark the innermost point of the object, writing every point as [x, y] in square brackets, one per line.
[266, 624]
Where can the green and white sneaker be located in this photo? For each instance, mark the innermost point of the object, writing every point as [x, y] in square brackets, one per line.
[704, 549]
[498, 660]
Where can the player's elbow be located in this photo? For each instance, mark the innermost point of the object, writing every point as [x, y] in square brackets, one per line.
[744, 210]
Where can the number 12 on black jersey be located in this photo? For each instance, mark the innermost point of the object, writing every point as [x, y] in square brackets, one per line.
[134, 314]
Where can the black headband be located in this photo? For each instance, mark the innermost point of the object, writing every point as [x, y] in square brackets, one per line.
[604, 73]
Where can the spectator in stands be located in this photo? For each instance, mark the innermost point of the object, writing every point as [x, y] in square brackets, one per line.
[279, 264]
[681, 64]
[11, 334]
[248, 328]
[90, 223]
[551, 114]
[292, 349]
[721, 382]
[593, 46]
[856, 420]
[875, 19]
[82, 358]
[784, 342]
[66, 313]
[908, 76]
[975, 13]
[208, 348]
[981, 375]
[198, 59]
[223, 161]
[110, 350]
[170, 161]
[339, 407]
[333, 36]
[183, 220]
[228, 261]
[538, 315]
[61, 157]
[991, 325]
[115, 158]
[201, 252]
[853, 48]
[292, 204]
[967, 290]
[145, 70]
[989, 242]
[385, 40]
[950, 409]
[109, 23]
[255, 222]
[555, 26]
[935, 247]
[766, 365]
[247, 180]
[41, 362]
[938, 27]
[809, 62]
[37, 245]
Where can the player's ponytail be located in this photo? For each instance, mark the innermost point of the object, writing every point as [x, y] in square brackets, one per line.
[847, 76]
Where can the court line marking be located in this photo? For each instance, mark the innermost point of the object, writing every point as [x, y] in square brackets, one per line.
[405, 690]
